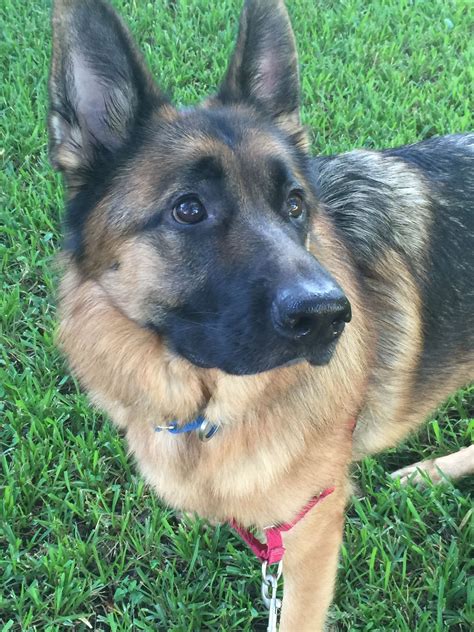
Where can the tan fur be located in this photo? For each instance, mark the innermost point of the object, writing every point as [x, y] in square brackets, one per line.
[310, 566]
[137, 276]
[397, 322]
[119, 361]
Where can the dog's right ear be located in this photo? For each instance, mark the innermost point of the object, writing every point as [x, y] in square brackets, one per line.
[99, 87]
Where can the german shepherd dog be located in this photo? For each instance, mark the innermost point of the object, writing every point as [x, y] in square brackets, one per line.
[213, 268]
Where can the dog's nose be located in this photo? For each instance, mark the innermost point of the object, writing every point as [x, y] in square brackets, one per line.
[311, 313]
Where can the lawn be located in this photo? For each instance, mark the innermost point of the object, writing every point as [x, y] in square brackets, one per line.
[84, 544]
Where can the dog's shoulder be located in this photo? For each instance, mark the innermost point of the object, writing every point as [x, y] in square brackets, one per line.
[416, 201]
[400, 197]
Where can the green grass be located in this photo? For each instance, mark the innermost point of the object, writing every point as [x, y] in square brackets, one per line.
[84, 544]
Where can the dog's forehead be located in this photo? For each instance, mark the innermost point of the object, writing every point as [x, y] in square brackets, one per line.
[225, 142]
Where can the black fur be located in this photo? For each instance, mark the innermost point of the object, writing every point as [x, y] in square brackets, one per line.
[447, 286]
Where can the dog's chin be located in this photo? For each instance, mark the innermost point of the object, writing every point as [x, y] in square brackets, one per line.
[257, 364]
[245, 368]
[323, 357]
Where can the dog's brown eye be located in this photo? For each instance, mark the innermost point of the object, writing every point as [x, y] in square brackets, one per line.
[295, 205]
[189, 211]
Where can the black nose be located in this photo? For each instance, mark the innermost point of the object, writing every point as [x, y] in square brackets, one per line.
[309, 313]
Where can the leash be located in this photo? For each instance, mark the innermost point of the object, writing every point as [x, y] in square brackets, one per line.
[271, 552]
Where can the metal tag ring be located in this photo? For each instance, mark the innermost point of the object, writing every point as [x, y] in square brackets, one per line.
[207, 430]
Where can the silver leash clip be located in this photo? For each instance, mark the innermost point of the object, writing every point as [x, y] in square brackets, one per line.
[269, 595]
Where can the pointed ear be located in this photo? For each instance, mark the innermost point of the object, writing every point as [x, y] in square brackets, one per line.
[263, 70]
[99, 86]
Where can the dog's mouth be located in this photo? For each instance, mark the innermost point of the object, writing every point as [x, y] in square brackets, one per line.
[255, 363]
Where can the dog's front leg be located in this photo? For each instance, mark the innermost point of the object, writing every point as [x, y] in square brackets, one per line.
[310, 566]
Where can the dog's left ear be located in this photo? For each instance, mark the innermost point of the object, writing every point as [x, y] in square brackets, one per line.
[263, 70]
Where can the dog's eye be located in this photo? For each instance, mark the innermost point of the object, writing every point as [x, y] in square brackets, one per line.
[295, 204]
[189, 211]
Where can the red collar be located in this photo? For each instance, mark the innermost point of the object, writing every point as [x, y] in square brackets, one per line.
[272, 550]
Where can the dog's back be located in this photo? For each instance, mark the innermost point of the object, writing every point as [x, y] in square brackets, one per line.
[447, 284]
[407, 215]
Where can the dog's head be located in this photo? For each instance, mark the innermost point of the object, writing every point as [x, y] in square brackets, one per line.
[196, 222]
